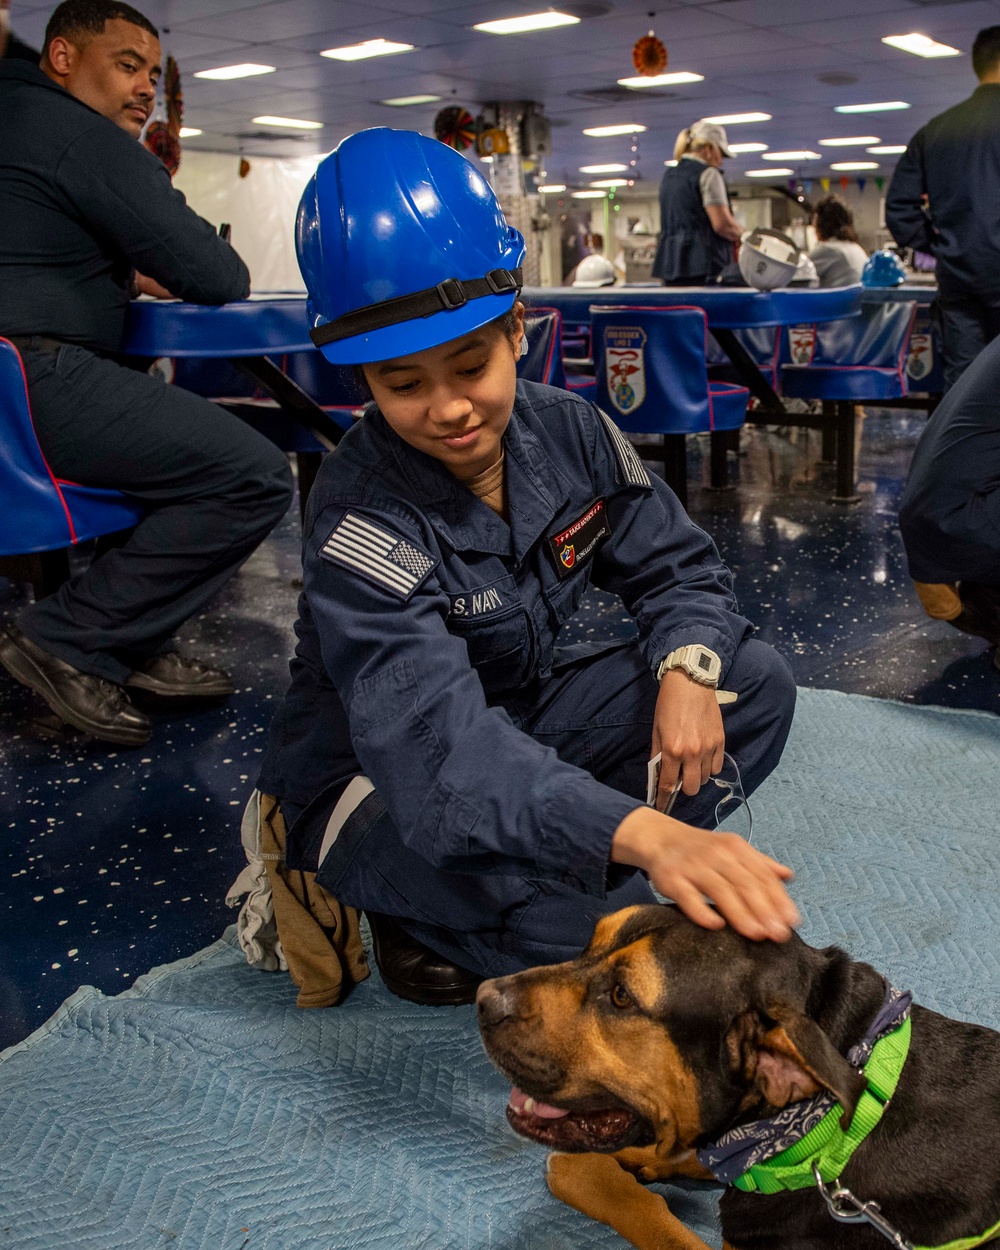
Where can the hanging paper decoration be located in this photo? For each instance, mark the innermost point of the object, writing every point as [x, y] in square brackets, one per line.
[861, 185]
[791, 184]
[825, 184]
[649, 56]
[455, 126]
[163, 138]
[244, 167]
[845, 182]
[880, 183]
[808, 185]
[492, 142]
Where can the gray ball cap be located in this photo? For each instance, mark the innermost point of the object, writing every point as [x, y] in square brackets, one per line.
[709, 132]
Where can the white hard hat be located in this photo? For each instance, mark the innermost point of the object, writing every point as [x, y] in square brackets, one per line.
[710, 132]
[806, 273]
[768, 259]
[594, 271]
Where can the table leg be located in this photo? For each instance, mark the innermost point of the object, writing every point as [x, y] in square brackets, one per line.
[675, 465]
[846, 423]
[293, 400]
[720, 442]
[829, 452]
[750, 375]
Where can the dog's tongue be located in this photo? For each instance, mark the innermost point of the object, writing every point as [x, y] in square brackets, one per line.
[521, 1104]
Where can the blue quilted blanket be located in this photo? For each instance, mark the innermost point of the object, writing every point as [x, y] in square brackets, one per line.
[201, 1110]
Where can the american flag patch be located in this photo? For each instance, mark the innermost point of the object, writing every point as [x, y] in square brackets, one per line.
[632, 467]
[379, 554]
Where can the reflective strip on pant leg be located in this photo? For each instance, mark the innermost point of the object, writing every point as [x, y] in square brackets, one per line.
[357, 790]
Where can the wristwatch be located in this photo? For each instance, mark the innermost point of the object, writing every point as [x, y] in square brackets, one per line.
[700, 664]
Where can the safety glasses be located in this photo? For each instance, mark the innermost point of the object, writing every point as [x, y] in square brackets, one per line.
[732, 811]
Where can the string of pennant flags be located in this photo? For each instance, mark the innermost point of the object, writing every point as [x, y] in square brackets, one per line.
[806, 184]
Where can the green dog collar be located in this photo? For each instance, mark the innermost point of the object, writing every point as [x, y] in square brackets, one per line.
[828, 1145]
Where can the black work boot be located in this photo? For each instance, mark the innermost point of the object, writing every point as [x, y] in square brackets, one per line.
[172, 675]
[97, 706]
[413, 971]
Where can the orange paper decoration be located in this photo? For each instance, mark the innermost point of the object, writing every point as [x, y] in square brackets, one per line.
[649, 56]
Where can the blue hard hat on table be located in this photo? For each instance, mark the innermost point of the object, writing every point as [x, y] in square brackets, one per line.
[883, 268]
[403, 246]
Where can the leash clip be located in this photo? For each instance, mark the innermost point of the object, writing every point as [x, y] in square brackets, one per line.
[846, 1209]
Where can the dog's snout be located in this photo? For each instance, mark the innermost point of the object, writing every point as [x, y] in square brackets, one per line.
[494, 1004]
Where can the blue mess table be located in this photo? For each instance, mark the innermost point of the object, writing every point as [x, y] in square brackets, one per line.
[249, 333]
[727, 310]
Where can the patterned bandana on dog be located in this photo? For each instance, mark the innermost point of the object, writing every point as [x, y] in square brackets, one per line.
[738, 1150]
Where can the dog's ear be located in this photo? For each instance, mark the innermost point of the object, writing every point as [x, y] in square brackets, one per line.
[788, 1057]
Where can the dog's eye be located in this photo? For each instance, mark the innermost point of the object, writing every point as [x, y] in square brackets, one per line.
[620, 996]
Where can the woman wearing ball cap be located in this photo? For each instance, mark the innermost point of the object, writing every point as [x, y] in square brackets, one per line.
[697, 229]
[440, 759]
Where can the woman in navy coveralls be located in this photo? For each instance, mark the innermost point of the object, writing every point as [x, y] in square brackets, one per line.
[441, 760]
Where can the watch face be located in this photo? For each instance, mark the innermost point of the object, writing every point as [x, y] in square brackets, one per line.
[704, 662]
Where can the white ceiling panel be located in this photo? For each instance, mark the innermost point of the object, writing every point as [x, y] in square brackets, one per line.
[768, 55]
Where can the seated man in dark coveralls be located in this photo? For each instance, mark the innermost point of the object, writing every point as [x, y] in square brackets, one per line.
[84, 206]
[950, 514]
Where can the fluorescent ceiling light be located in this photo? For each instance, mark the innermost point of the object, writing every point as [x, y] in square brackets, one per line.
[603, 169]
[530, 21]
[487, 160]
[552, 188]
[189, 132]
[235, 71]
[889, 149]
[606, 132]
[854, 141]
[737, 148]
[610, 182]
[288, 123]
[791, 156]
[767, 173]
[886, 106]
[737, 119]
[920, 45]
[370, 47]
[661, 80]
[401, 101]
[588, 195]
[844, 165]
[670, 164]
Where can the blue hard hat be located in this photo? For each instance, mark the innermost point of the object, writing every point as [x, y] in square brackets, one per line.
[403, 246]
[883, 268]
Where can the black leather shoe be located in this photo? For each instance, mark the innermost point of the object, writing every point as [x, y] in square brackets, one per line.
[93, 704]
[175, 676]
[413, 971]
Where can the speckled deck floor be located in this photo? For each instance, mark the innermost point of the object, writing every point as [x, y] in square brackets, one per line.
[112, 861]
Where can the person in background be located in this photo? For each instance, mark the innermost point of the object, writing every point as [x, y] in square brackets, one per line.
[10, 45]
[839, 257]
[949, 517]
[945, 199]
[697, 229]
[84, 206]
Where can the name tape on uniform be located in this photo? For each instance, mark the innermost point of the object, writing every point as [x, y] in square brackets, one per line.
[578, 542]
[379, 554]
[477, 602]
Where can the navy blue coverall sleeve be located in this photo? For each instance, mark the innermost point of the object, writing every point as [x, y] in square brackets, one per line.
[466, 788]
[904, 213]
[666, 570]
[126, 198]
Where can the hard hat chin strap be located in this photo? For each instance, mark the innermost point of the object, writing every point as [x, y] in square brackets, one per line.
[448, 295]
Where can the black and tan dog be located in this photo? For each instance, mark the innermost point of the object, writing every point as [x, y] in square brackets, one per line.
[662, 1036]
